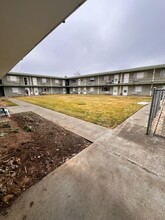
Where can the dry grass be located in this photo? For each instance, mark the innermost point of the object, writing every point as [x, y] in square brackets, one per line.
[104, 110]
[5, 102]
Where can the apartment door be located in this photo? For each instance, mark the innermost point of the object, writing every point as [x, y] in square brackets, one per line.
[126, 78]
[125, 90]
[1, 91]
[36, 91]
[116, 79]
[85, 91]
[27, 91]
[26, 81]
[115, 90]
[79, 90]
[35, 81]
[79, 82]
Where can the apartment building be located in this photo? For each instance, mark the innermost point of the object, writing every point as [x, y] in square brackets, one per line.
[136, 81]
[20, 84]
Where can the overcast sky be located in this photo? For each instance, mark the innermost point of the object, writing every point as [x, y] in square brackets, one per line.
[102, 35]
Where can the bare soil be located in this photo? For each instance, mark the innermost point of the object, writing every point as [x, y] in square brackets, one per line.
[30, 148]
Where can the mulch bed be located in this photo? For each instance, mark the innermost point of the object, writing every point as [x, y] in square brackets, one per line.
[30, 148]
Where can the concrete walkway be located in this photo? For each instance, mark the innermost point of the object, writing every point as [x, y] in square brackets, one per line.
[85, 129]
[120, 176]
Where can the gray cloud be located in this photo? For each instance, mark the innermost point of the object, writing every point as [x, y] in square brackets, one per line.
[102, 35]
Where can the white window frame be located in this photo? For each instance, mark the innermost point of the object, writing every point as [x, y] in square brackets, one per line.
[138, 88]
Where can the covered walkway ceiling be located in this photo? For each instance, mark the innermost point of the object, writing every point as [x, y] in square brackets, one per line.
[23, 24]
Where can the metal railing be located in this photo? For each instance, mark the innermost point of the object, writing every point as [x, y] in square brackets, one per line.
[158, 98]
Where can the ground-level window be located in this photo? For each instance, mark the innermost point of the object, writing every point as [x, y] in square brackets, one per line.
[105, 89]
[140, 75]
[45, 90]
[15, 90]
[74, 90]
[138, 88]
[91, 89]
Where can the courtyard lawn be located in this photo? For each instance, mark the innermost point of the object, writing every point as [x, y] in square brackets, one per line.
[104, 110]
[5, 102]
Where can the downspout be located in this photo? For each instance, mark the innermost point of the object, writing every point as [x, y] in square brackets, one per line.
[152, 82]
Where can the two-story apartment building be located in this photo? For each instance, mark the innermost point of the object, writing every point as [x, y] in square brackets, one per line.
[136, 81]
[18, 84]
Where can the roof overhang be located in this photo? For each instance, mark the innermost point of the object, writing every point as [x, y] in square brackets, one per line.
[24, 24]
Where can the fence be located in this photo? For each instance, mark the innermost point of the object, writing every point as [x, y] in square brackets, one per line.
[158, 98]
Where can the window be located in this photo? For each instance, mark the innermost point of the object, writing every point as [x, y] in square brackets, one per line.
[15, 90]
[91, 89]
[45, 90]
[138, 89]
[105, 89]
[44, 80]
[74, 90]
[25, 81]
[106, 78]
[35, 81]
[91, 79]
[12, 78]
[162, 73]
[73, 81]
[140, 75]
[56, 81]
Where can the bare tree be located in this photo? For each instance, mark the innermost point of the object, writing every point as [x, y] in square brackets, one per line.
[77, 73]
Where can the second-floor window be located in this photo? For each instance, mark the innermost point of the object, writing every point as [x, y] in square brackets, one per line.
[73, 81]
[92, 79]
[140, 75]
[13, 78]
[44, 80]
[56, 81]
[25, 81]
[162, 73]
[107, 78]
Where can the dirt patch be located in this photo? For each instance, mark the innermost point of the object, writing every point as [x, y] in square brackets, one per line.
[30, 148]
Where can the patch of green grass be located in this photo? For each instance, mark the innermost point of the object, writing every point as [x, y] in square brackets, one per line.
[104, 110]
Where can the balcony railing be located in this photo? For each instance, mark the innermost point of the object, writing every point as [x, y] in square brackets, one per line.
[131, 81]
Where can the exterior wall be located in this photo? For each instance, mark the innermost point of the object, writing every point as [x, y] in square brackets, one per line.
[9, 92]
[145, 90]
[132, 82]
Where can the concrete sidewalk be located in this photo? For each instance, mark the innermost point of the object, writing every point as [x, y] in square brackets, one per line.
[121, 176]
[85, 129]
